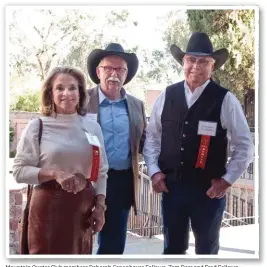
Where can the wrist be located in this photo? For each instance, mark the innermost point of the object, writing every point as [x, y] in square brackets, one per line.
[154, 175]
[53, 174]
[226, 182]
[101, 205]
[46, 175]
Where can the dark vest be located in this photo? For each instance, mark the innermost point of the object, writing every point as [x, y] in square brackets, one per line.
[180, 141]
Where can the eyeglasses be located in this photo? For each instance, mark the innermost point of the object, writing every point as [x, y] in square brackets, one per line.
[200, 61]
[109, 69]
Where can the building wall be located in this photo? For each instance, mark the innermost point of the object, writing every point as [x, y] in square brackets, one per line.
[15, 213]
[19, 120]
[151, 97]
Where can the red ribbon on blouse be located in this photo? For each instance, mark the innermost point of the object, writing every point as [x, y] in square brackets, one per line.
[95, 164]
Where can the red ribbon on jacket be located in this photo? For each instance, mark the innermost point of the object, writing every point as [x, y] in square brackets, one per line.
[203, 151]
[95, 164]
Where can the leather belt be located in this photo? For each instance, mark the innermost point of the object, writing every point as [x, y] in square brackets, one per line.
[55, 185]
[121, 171]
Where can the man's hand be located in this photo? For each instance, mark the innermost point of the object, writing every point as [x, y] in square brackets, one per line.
[158, 182]
[218, 188]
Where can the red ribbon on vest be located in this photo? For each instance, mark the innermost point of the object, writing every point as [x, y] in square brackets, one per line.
[203, 151]
[95, 164]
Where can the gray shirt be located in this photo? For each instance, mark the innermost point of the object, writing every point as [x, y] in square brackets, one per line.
[64, 146]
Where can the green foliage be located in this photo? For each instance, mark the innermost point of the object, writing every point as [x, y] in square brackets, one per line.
[38, 48]
[116, 17]
[11, 139]
[11, 133]
[234, 30]
[12, 154]
[84, 42]
[177, 32]
[27, 102]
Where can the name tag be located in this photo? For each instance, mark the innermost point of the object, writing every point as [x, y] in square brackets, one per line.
[93, 140]
[91, 116]
[207, 128]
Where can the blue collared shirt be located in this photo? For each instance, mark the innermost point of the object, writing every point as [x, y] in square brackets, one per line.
[114, 121]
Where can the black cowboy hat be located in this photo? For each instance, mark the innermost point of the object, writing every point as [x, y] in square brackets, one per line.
[199, 44]
[112, 49]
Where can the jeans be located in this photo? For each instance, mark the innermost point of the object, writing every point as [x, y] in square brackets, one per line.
[119, 198]
[187, 203]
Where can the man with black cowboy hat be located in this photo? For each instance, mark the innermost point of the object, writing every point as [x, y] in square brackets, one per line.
[123, 121]
[186, 148]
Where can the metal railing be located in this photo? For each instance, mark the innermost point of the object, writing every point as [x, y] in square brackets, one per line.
[230, 220]
[148, 221]
[249, 174]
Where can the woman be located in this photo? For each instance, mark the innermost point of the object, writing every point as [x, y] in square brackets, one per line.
[60, 211]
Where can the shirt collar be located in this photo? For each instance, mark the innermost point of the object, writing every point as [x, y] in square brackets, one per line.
[200, 88]
[102, 97]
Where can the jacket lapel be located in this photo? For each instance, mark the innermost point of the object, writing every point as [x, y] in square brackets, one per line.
[131, 121]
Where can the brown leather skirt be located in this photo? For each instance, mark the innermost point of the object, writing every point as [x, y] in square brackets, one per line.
[59, 221]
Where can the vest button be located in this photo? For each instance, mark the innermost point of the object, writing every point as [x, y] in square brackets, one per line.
[184, 135]
[182, 163]
[182, 148]
[186, 122]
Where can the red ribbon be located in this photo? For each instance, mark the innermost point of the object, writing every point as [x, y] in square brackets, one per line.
[95, 164]
[203, 151]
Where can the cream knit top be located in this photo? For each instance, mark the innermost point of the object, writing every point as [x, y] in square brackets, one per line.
[64, 146]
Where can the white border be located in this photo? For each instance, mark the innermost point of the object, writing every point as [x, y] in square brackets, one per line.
[139, 3]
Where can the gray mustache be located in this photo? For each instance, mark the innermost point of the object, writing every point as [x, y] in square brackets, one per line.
[114, 79]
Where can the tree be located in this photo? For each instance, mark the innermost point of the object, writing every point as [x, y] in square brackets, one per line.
[11, 139]
[84, 42]
[39, 47]
[30, 101]
[177, 32]
[11, 133]
[51, 37]
[234, 30]
[159, 65]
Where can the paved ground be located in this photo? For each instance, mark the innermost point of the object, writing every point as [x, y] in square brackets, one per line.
[140, 245]
[236, 242]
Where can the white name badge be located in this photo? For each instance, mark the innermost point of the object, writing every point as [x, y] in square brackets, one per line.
[91, 116]
[207, 128]
[93, 140]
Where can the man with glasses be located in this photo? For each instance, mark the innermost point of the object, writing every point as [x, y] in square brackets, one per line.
[186, 149]
[123, 121]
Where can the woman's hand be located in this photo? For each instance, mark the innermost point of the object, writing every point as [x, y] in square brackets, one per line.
[72, 183]
[98, 218]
